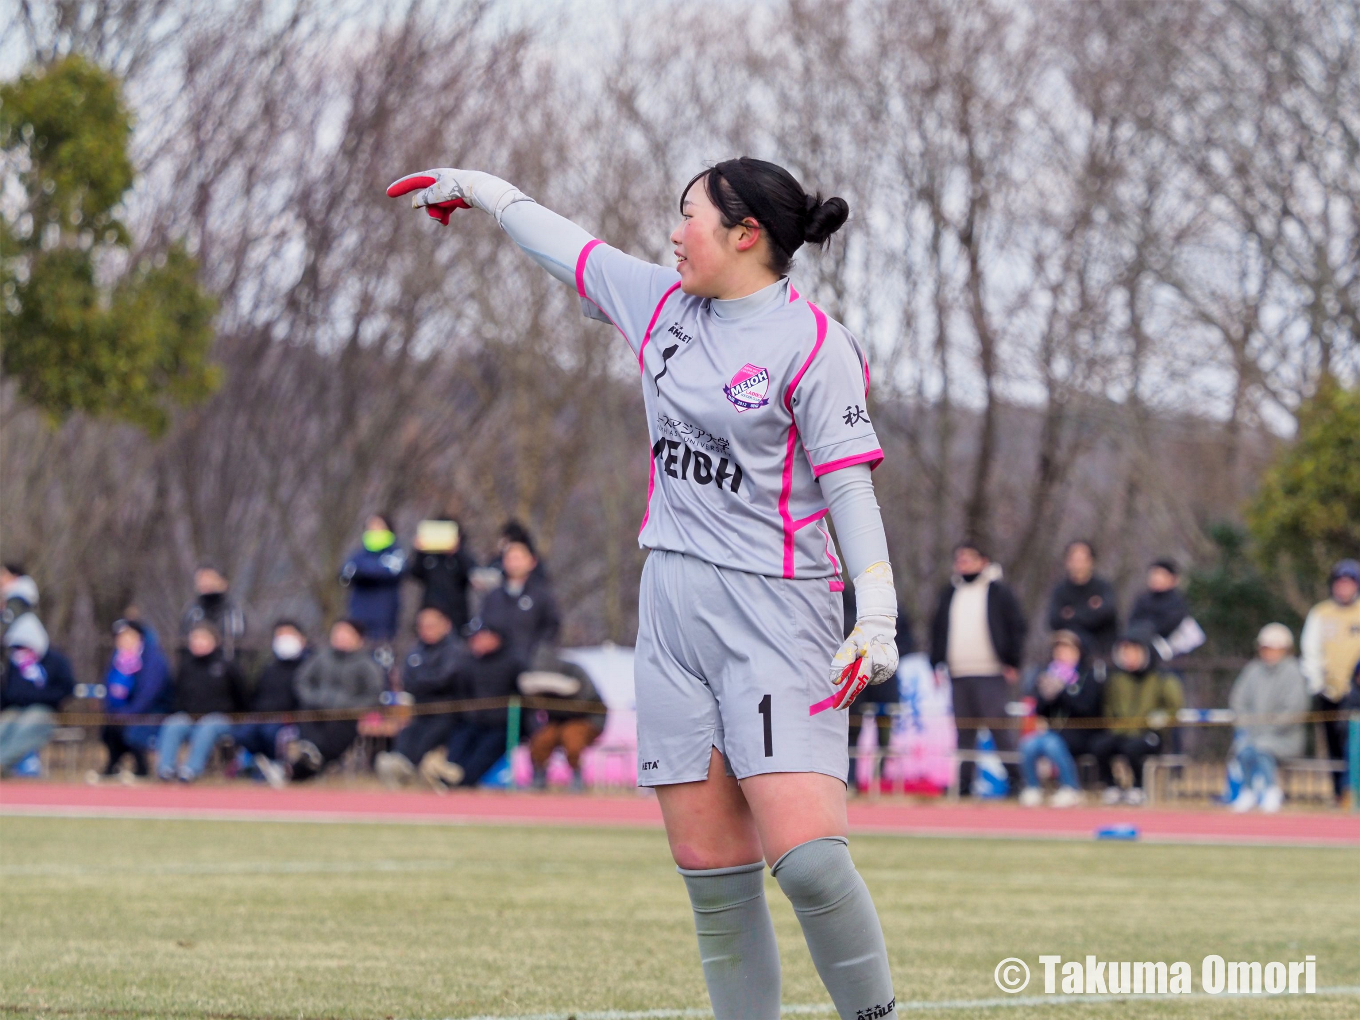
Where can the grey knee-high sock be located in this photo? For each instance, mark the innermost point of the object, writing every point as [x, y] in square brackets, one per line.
[840, 925]
[736, 941]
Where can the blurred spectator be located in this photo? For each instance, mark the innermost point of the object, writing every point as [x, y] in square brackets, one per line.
[1271, 684]
[478, 739]
[1084, 603]
[20, 594]
[979, 635]
[1067, 688]
[1164, 614]
[37, 680]
[138, 683]
[573, 727]
[212, 604]
[446, 575]
[208, 688]
[373, 576]
[522, 609]
[1330, 643]
[340, 676]
[1148, 698]
[515, 533]
[429, 675]
[273, 693]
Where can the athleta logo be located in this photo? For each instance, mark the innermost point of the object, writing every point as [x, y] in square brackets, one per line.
[679, 333]
[679, 461]
[748, 388]
[877, 1012]
[648, 765]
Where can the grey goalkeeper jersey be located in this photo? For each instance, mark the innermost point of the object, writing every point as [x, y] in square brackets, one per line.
[744, 415]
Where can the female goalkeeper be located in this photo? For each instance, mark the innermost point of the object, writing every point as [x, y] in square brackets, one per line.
[756, 410]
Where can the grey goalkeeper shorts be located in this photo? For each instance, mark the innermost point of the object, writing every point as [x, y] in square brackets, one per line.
[735, 661]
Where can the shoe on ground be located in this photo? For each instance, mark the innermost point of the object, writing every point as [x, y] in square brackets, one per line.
[1135, 797]
[94, 777]
[305, 751]
[185, 776]
[578, 784]
[272, 771]
[1065, 797]
[1111, 796]
[1271, 799]
[1246, 800]
[439, 772]
[1031, 796]
[394, 769]
[540, 780]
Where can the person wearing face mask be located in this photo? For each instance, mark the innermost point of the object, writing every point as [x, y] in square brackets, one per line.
[373, 575]
[208, 688]
[978, 635]
[273, 693]
[137, 683]
[213, 604]
[37, 680]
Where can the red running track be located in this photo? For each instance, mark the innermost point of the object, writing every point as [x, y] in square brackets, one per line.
[340, 804]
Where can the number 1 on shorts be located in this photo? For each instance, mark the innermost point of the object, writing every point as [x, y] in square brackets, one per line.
[764, 710]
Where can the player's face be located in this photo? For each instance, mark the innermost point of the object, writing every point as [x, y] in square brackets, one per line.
[708, 254]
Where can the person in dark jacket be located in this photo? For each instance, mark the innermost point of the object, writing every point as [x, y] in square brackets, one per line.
[213, 604]
[522, 609]
[978, 635]
[487, 669]
[1066, 689]
[1162, 607]
[1083, 602]
[340, 676]
[373, 575]
[19, 593]
[273, 693]
[208, 688]
[137, 683]
[447, 578]
[38, 679]
[430, 674]
[574, 726]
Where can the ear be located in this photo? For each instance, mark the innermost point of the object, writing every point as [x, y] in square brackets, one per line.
[748, 234]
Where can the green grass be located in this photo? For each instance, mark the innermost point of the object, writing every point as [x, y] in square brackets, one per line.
[124, 919]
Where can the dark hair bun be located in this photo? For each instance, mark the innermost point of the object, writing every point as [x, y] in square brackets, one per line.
[824, 218]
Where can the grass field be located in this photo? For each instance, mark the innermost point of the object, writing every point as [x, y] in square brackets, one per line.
[170, 919]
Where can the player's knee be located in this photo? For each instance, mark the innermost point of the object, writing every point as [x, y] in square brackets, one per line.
[817, 874]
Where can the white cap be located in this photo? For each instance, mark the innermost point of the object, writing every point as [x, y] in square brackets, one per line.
[1275, 635]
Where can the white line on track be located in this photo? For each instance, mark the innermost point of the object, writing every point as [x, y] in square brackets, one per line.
[919, 1006]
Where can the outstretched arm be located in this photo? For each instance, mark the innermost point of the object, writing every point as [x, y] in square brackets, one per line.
[553, 241]
[613, 286]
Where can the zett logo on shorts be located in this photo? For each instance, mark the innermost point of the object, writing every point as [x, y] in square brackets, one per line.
[748, 388]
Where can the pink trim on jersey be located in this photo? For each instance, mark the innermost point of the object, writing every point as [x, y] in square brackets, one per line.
[655, 315]
[793, 293]
[786, 489]
[651, 460]
[873, 457]
[831, 555]
[581, 267]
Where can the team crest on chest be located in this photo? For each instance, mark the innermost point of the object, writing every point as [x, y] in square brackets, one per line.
[748, 388]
